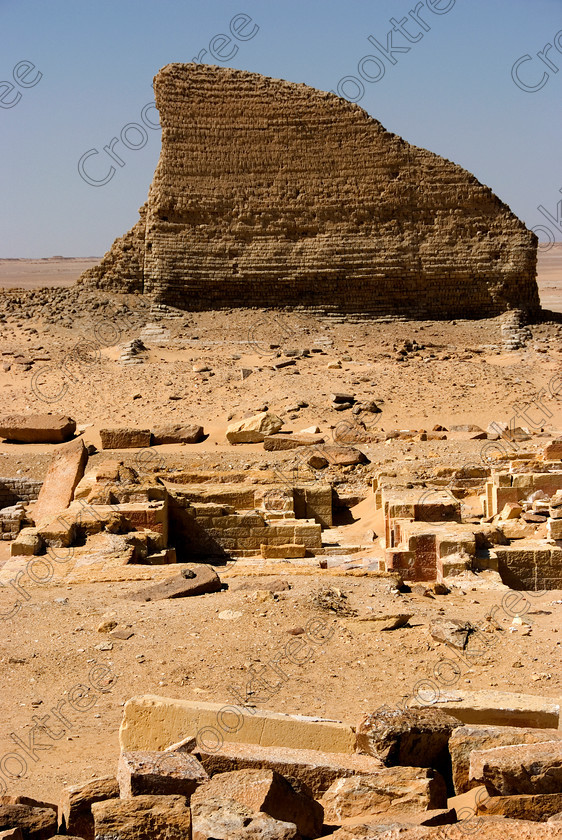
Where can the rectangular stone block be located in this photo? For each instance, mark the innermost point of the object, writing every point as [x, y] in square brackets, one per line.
[279, 552]
[65, 471]
[316, 769]
[498, 708]
[75, 808]
[153, 723]
[519, 769]
[466, 739]
[124, 438]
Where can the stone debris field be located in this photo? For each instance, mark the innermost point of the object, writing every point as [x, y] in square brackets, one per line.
[281, 498]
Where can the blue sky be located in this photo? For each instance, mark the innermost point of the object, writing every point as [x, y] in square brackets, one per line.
[452, 93]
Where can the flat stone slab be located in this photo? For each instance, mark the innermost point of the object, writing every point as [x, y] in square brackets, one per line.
[177, 434]
[273, 443]
[153, 723]
[143, 817]
[538, 808]
[466, 739]
[498, 708]
[316, 769]
[37, 428]
[195, 579]
[518, 769]
[125, 438]
[65, 471]
[148, 772]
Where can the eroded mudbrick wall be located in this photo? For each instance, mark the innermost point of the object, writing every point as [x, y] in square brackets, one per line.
[269, 193]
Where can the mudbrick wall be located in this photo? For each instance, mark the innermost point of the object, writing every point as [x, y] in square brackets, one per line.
[269, 193]
[14, 490]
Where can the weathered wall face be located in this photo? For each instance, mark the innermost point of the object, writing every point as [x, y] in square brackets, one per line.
[269, 193]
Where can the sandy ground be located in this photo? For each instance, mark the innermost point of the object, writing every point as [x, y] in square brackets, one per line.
[182, 648]
[51, 271]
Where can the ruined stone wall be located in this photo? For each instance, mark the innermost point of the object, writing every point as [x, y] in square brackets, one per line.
[13, 490]
[269, 193]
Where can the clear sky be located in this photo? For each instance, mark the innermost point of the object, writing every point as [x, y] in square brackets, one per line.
[76, 73]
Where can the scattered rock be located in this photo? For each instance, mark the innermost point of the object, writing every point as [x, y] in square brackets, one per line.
[268, 792]
[143, 772]
[177, 434]
[37, 428]
[254, 429]
[451, 632]
[196, 579]
[142, 818]
[124, 438]
[416, 737]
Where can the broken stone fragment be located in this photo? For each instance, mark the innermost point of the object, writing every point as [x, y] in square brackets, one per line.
[159, 773]
[143, 818]
[469, 738]
[343, 456]
[519, 769]
[177, 434]
[34, 823]
[317, 461]
[225, 819]
[415, 737]
[539, 807]
[268, 792]
[280, 441]
[254, 429]
[124, 438]
[391, 791]
[75, 807]
[387, 622]
[37, 428]
[195, 579]
[451, 632]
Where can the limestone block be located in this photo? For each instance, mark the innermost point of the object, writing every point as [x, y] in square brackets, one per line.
[124, 438]
[153, 723]
[37, 428]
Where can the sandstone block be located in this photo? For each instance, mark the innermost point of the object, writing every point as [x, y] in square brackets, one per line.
[273, 443]
[554, 529]
[75, 808]
[498, 708]
[27, 543]
[226, 819]
[34, 823]
[143, 772]
[196, 579]
[266, 791]
[315, 769]
[551, 452]
[37, 428]
[522, 768]
[153, 723]
[142, 818]
[539, 807]
[65, 471]
[288, 551]
[124, 438]
[254, 429]
[391, 791]
[415, 737]
[177, 434]
[466, 739]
